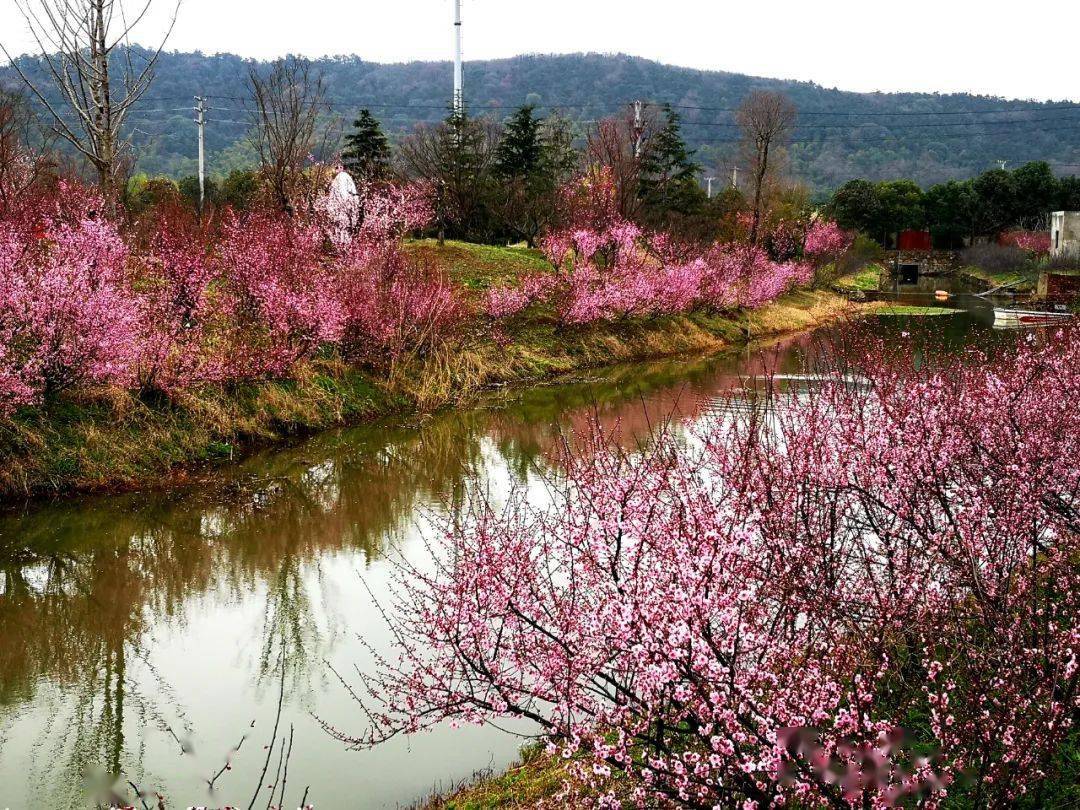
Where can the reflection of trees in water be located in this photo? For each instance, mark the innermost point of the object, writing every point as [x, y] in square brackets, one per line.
[77, 619]
[83, 583]
[630, 402]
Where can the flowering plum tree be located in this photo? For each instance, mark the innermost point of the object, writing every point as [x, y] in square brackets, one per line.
[825, 240]
[167, 302]
[863, 594]
[179, 309]
[1036, 241]
[613, 270]
[283, 291]
[65, 315]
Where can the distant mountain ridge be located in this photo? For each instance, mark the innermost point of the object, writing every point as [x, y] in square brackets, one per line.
[841, 135]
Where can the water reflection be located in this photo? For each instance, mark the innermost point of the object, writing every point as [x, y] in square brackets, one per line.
[143, 635]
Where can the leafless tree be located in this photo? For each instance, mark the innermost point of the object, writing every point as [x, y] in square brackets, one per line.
[766, 119]
[95, 72]
[286, 102]
[24, 148]
[619, 145]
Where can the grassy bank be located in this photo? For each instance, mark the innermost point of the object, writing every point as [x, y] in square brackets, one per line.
[868, 278]
[535, 781]
[100, 439]
[1020, 280]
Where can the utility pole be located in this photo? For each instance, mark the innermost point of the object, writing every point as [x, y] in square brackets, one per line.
[639, 127]
[1003, 163]
[200, 112]
[459, 72]
[735, 177]
[709, 180]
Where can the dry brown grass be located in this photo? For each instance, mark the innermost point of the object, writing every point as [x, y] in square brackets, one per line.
[797, 312]
[458, 371]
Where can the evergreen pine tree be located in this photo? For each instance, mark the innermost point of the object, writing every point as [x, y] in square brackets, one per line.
[461, 165]
[560, 161]
[367, 152]
[533, 159]
[669, 182]
[521, 148]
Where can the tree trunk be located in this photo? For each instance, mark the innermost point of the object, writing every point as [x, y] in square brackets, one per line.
[759, 180]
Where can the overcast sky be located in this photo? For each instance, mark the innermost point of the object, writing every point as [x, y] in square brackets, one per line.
[1008, 49]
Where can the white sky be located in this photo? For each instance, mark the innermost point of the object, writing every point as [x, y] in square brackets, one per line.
[995, 47]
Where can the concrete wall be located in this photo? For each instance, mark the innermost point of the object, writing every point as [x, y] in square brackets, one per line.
[1065, 233]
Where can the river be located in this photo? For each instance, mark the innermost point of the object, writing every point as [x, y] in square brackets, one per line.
[148, 634]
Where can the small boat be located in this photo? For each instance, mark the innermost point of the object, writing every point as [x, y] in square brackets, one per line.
[1027, 315]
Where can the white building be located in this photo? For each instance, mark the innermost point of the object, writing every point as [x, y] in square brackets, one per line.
[1065, 233]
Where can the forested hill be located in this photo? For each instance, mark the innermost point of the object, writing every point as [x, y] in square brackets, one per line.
[842, 135]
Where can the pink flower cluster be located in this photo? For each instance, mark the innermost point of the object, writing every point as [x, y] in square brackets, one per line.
[826, 240]
[760, 618]
[1035, 241]
[610, 270]
[608, 279]
[176, 304]
[66, 317]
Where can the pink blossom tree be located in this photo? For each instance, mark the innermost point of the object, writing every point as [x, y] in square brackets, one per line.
[180, 310]
[861, 594]
[825, 240]
[283, 292]
[66, 317]
[608, 269]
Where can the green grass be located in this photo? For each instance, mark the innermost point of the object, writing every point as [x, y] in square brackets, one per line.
[110, 438]
[1023, 279]
[479, 267]
[869, 278]
[536, 778]
[901, 309]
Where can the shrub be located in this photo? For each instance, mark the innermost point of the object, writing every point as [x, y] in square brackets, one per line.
[239, 190]
[1037, 242]
[611, 270]
[825, 241]
[1063, 262]
[143, 194]
[395, 308]
[179, 311]
[862, 252]
[281, 289]
[997, 258]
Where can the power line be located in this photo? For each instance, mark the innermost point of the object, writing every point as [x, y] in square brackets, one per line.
[933, 125]
[888, 136]
[1041, 108]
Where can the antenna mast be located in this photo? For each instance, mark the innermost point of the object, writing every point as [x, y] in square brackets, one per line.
[200, 111]
[459, 73]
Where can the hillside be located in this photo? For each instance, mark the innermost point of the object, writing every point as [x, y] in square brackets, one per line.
[842, 135]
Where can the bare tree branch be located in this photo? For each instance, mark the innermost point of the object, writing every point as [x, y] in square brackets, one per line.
[24, 148]
[285, 116]
[767, 120]
[87, 57]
